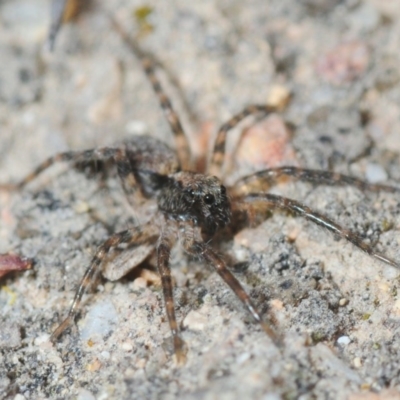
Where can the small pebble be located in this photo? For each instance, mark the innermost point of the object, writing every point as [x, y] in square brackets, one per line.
[127, 346]
[343, 302]
[105, 355]
[99, 321]
[10, 336]
[195, 320]
[345, 63]
[243, 358]
[343, 340]
[81, 207]
[139, 283]
[278, 97]
[136, 128]
[357, 362]
[84, 394]
[375, 173]
[42, 339]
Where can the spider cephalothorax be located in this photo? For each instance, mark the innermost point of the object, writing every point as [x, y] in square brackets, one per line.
[189, 196]
[192, 205]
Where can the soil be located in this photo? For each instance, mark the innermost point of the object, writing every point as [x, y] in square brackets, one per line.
[333, 69]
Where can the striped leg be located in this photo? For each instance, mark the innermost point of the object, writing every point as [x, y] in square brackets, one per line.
[57, 13]
[163, 254]
[70, 156]
[124, 168]
[182, 145]
[135, 235]
[273, 201]
[218, 154]
[263, 180]
[127, 177]
[181, 141]
[62, 11]
[202, 250]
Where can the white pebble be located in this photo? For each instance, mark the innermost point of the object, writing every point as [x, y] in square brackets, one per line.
[343, 340]
[195, 321]
[99, 321]
[375, 173]
[127, 346]
[136, 127]
[84, 394]
[42, 339]
[357, 362]
[243, 358]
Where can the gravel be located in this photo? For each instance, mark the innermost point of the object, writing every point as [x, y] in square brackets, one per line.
[337, 309]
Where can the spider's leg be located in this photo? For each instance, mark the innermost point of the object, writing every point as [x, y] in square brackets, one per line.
[219, 265]
[218, 154]
[202, 250]
[57, 13]
[163, 254]
[273, 201]
[127, 178]
[71, 156]
[149, 66]
[124, 168]
[182, 145]
[263, 180]
[136, 235]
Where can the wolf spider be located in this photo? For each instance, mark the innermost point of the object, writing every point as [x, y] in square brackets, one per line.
[193, 206]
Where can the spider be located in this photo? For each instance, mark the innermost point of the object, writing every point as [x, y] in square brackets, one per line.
[192, 206]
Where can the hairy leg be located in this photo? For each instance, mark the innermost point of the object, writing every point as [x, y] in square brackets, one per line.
[200, 249]
[68, 156]
[136, 235]
[149, 67]
[264, 180]
[163, 254]
[273, 201]
[124, 168]
[218, 154]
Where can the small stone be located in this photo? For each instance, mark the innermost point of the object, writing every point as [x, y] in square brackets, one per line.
[99, 321]
[94, 366]
[243, 358]
[151, 278]
[344, 63]
[278, 97]
[127, 346]
[136, 128]
[139, 283]
[343, 302]
[105, 355]
[195, 320]
[375, 173]
[84, 394]
[357, 362]
[45, 338]
[10, 336]
[81, 207]
[343, 340]
[266, 144]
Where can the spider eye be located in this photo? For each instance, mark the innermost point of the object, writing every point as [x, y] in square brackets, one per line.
[209, 199]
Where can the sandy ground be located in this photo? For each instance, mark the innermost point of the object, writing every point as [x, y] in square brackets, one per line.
[337, 309]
